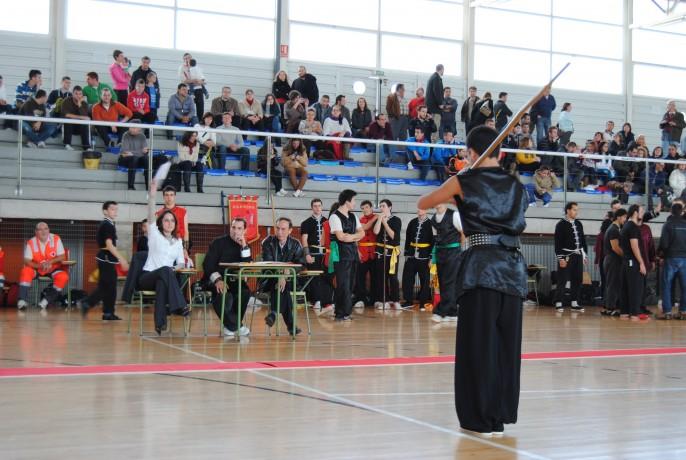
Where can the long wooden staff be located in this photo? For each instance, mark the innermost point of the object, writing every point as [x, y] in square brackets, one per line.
[513, 122]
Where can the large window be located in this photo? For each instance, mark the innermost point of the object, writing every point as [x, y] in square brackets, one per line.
[529, 40]
[659, 69]
[15, 17]
[414, 35]
[234, 27]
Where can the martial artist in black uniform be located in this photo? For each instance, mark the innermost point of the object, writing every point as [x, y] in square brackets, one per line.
[231, 248]
[570, 250]
[387, 230]
[491, 285]
[320, 290]
[447, 242]
[419, 242]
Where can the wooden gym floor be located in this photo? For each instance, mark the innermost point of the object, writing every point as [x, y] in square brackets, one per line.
[592, 387]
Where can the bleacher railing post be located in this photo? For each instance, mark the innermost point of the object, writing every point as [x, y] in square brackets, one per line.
[564, 179]
[649, 197]
[269, 168]
[378, 149]
[20, 140]
[150, 155]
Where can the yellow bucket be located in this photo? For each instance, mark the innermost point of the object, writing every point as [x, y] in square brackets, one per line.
[91, 163]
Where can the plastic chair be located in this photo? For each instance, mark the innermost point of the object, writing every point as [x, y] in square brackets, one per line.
[141, 297]
[203, 295]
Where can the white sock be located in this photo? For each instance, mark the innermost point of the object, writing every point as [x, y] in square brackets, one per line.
[574, 303]
[558, 304]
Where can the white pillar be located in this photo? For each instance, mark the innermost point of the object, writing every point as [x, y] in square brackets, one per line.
[627, 61]
[58, 33]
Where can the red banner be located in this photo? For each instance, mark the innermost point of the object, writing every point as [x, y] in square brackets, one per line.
[246, 208]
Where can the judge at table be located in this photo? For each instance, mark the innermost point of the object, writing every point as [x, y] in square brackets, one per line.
[231, 248]
[281, 248]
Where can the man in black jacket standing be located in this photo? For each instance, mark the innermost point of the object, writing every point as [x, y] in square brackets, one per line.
[502, 111]
[434, 97]
[141, 73]
[226, 249]
[570, 250]
[673, 249]
[467, 109]
[281, 247]
[306, 84]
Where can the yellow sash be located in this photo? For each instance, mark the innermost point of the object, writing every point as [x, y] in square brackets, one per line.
[395, 252]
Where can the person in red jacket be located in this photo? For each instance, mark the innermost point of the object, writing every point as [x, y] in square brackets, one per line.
[138, 102]
[367, 248]
[648, 254]
[414, 104]
[109, 110]
[2, 268]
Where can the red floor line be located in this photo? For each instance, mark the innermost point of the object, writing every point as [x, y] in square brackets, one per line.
[14, 372]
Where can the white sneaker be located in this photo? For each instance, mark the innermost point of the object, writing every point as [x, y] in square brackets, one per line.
[282, 192]
[359, 304]
[436, 318]
[410, 166]
[559, 308]
[388, 305]
[301, 194]
[528, 303]
[327, 309]
[254, 303]
[68, 147]
[532, 205]
[397, 306]
[43, 304]
[244, 331]
[41, 145]
[547, 205]
[378, 305]
[31, 145]
[22, 304]
[450, 319]
[229, 333]
[317, 306]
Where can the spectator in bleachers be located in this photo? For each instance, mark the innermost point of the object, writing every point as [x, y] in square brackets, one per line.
[672, 125]
[5, 106]
[281, 88]
[380, 129]
[138, 102]
[424, 122]
[192, 75]
[659, 185]
[120, 75]
[677, 180]
[468, 107]
[294, 158]
[310, 126]
[617, 146]
[397, 109]
[435, 96]
[109, 110]
[225, 103]
[673, 249]
[588, 167]
[276, 175]
[29, 88]
[306, 85]
[189, 160]
[565, 123]
[95, 87]
[502, 111]
[657, 152]
[231, 143]
[627, 134]
[415, 103]
[336, 125]
[527, 162]
[361, 119]
[75, 107]
[294, 111]
[37, 132]
[609, 132]
[604, 169]
[551, 143]
[252, 117]
[181, 109]
[541, 112]
[526, 132]
[574, 173]
[545, 182]
[440, 157]
[133, 154]
[272, 116]
[419, 157]
[483, 110]
[448, 110]
[672, 155]
[152, 89]
[640, 141]
[206, 139]
[141, 73]
[340, 103]
[512, 139]
[323, 108]
[597, 139]
[63, 92]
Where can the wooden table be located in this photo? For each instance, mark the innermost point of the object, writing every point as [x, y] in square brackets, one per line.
[246, 270]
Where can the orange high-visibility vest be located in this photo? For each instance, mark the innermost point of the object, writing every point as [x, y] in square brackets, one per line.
[50, 252]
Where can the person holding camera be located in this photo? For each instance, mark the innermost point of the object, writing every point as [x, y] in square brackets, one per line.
[295, 163]
[294, 111]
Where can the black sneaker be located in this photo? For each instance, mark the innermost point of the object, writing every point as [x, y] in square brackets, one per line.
[578, 309]
[297, 331]
[110, 317]
[83, 306]
[270, 319]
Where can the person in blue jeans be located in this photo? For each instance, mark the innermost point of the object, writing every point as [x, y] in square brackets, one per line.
[544, 183]
[37, 132]
[230, 143]
[419, 157]
[441, 156]
[673, 248]
[542, 111]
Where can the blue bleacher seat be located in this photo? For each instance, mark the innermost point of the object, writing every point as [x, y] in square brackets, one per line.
[358, 149]
[352, 164]
[241, 173]
[526, 173]
[329, 162]
[216, 172]
[322, 177]
[347, 179]
[125, 170]
[114, 150]
[368, 180]
[392, 180]
[421, 183]
[402, 166]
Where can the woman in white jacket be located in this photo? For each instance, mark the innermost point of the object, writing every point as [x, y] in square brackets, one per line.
[188, 156]
[677, 180]
[337, 125]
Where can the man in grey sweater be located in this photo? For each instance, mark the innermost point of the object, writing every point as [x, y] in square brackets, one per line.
[231, 143]
[181, 108]
[134, 154]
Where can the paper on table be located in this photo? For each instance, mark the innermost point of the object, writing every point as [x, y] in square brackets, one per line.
[162, 172]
